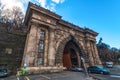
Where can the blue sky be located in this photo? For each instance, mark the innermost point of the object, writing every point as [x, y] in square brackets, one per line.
[102, 16]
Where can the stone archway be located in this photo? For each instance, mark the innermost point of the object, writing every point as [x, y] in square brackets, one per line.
[71, 55]
[76, 47]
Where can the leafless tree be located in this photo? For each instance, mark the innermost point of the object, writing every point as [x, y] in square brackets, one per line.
[12, 18]
[107, 53]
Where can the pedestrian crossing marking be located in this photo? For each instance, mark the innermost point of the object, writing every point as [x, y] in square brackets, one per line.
[45, 77]
[27, 78]
[117, 76]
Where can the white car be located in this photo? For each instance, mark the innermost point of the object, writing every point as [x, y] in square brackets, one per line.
[78, 69]
[109, 64]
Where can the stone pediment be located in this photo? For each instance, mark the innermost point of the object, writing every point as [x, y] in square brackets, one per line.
[41, 14]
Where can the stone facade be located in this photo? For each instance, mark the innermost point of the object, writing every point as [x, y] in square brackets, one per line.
[57, 34]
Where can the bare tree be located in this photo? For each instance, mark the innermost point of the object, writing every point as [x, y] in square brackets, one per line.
[1, 9]
[12, 18]
[107, 53]
[17, 17]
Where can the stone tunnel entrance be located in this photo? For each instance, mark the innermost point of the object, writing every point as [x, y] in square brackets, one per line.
[71, 55]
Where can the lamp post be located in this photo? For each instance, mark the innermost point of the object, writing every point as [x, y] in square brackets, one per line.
[25, 60]
[118, 59]
[85, 69]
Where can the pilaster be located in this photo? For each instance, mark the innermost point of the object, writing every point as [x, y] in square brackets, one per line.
[93, 51]
[31, 48]
[51, 50]
[98, 61]
[89, 52]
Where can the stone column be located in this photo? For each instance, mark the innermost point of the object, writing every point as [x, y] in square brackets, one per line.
[79, 59]
[46, 48]
[30, 50]
[93, 52]
[91, 61]
[36, 47]
[51, 50]
[98, 61]
[25, 49]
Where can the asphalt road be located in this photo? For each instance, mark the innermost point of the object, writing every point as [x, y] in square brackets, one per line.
[114, 75]
[107, 77]
[65, 75]
[70, 75]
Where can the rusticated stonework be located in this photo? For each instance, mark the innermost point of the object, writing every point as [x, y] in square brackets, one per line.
[58, 34]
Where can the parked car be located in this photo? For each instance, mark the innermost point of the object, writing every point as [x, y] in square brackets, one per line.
[76, 68]
[109, 64]
[98, 69]
[3, 73]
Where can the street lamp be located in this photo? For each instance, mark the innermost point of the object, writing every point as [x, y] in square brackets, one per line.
[85, 68]
[25, 60]
[118, 59]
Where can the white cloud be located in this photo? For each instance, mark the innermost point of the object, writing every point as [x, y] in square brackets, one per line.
[9, 4]
[58, 1]
[42, 3]
[51, 6]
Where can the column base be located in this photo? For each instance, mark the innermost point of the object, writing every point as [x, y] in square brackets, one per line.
[49, 69]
